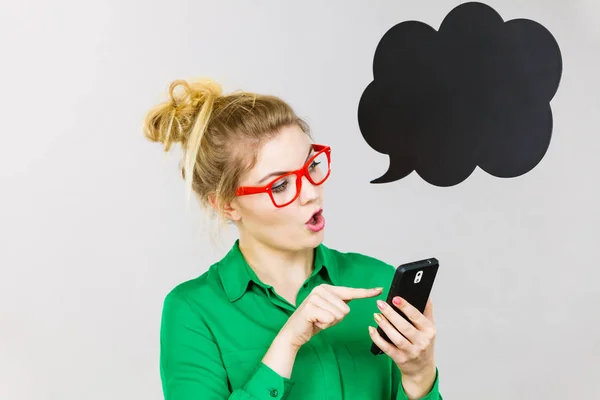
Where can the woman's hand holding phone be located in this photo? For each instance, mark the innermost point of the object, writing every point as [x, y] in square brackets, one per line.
[412, 347]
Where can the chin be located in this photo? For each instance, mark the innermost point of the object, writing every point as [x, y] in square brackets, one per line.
[315, 238]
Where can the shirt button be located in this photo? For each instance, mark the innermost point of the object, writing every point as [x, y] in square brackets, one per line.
[274, 392]
[305, 285]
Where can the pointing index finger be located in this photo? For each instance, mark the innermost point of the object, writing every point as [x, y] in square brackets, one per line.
[350, 293]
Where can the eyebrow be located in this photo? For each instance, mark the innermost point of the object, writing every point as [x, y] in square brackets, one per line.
[277, 173]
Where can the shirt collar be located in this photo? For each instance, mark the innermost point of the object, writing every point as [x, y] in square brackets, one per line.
[236, 274]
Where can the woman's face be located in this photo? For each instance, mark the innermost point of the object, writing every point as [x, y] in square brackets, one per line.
[291, 227]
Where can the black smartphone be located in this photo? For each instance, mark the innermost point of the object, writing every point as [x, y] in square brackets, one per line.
[413, 282]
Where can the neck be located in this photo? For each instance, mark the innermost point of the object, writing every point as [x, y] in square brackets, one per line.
[277, 267]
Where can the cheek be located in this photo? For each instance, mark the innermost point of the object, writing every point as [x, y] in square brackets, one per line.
[259, 210]
[259, 213]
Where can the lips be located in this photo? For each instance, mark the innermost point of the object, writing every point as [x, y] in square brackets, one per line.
[314, 216]
[316, 223]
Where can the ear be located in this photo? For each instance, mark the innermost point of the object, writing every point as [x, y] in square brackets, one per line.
[230, 211]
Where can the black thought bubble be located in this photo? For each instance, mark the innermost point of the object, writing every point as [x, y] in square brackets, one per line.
[474, 93]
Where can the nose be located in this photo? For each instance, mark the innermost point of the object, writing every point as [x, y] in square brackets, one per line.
[308, 192]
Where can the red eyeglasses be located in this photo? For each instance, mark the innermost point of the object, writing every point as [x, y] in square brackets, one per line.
[286, 188]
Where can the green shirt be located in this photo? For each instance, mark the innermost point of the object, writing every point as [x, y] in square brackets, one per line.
[217, 327]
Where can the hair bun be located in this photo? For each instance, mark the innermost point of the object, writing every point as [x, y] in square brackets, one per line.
[172, 121]
[195, 92]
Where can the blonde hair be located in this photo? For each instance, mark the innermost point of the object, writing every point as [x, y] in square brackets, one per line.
[220, 134]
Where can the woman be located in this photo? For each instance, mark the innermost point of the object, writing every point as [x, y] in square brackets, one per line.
[281, 316]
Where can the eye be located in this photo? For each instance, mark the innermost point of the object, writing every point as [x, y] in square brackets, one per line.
[314, 164]
[279, 186]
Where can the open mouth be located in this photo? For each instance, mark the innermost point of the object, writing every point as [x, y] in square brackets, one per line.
[316, 221]
[314, 217]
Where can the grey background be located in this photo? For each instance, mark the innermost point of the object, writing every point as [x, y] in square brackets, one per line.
[94, 229]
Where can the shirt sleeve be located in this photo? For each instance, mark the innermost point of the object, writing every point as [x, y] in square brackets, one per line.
[399, 394]
[191, 366]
